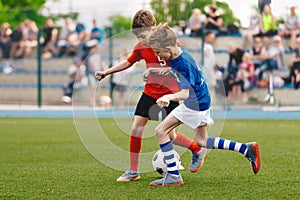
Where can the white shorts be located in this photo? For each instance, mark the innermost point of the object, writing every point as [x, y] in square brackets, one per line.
[191, 117]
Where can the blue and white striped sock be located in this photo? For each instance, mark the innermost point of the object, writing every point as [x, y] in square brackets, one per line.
[221, 143]
[169, 156]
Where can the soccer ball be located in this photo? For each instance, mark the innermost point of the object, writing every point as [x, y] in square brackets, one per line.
[159, 163]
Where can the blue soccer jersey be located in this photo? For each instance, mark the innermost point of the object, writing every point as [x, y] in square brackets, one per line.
[190, 77]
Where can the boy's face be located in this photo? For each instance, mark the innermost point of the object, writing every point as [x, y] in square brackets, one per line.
[144, 36]
[162, 53]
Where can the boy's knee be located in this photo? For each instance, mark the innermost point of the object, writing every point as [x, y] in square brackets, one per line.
[159, 132]
[136, 130]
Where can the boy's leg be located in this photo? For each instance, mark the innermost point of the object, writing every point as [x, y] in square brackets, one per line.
[137, 129]
[172, 178]
[179, 139]
[249, 150]
[198, 153]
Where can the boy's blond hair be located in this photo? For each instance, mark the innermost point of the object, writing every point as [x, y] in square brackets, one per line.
[164, 36]
[142, 20]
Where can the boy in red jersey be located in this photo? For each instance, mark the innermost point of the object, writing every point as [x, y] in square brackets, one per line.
[157, 85]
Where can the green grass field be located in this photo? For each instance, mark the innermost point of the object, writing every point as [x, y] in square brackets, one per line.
[45, 159]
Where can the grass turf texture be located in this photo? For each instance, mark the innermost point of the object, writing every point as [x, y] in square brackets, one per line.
[45, 159]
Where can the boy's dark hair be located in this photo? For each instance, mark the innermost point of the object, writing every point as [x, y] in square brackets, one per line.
[142, 20]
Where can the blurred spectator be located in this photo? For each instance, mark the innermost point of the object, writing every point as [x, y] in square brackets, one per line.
[29, 39]
[5, 40]
[78, 79]
[253, 29]
[93, 63]
[279, 49]
[262, 3]
[268, 23]
[26, 24]
[120, 82]
[295, 68]
[291, 27]
[219, 86]
[82, 34]
[273, 57]
[17, 38]
[97, 32]
[213, 20]
[235, 58]
[209, 60]
[257, 52]
[68, 38]
[196, 21]
[50, 40]
[245, 78]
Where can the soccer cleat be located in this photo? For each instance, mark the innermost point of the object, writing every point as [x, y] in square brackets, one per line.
[197, 160]
[168, 180]
[253, 156]
[129, 175]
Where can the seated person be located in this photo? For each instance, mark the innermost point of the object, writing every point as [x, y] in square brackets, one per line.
[195, 22]
[257, 52]
[96, 32]
[29, 42]
[273, 57]
[268, 23]
[252, 30]
[68, 38]
[82, 34]
[235, 58]
[5, 40]
[245, 78]
[291, 27]
[17, 38]
[295, 68]
[50, 34]
[214, 21]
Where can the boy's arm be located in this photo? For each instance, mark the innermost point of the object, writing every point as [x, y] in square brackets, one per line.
[164, 101]
[118, 67]
[162, 71]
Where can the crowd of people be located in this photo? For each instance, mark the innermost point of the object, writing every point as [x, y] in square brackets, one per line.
[251, 68]
[73, 40]
[262, 50]
[19, 42]
[262, 22]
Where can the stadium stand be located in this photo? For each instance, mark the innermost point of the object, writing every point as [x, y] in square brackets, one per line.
[20, 86]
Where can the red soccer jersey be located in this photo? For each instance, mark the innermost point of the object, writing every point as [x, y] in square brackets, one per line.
[156, 86]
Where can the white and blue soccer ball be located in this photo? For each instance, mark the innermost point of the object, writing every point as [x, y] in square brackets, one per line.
[159, 164]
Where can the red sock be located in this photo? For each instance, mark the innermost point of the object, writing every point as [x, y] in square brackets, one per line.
[186, 142]
[135, 148]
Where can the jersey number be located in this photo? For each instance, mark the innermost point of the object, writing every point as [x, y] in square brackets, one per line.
[162, 62]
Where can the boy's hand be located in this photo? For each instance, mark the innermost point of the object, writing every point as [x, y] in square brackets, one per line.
[163, 101]
[99, 75]
[166, 72]
[146, 74]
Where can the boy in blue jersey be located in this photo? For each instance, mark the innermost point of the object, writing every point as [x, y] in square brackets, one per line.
[194, 111]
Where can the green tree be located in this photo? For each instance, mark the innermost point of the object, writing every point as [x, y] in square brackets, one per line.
[120, 23]
[15, 11]
[173, 11]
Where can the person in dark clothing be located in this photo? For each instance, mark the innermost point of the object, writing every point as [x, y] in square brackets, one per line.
[213, 21]
[262, 3]
[235, 59]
